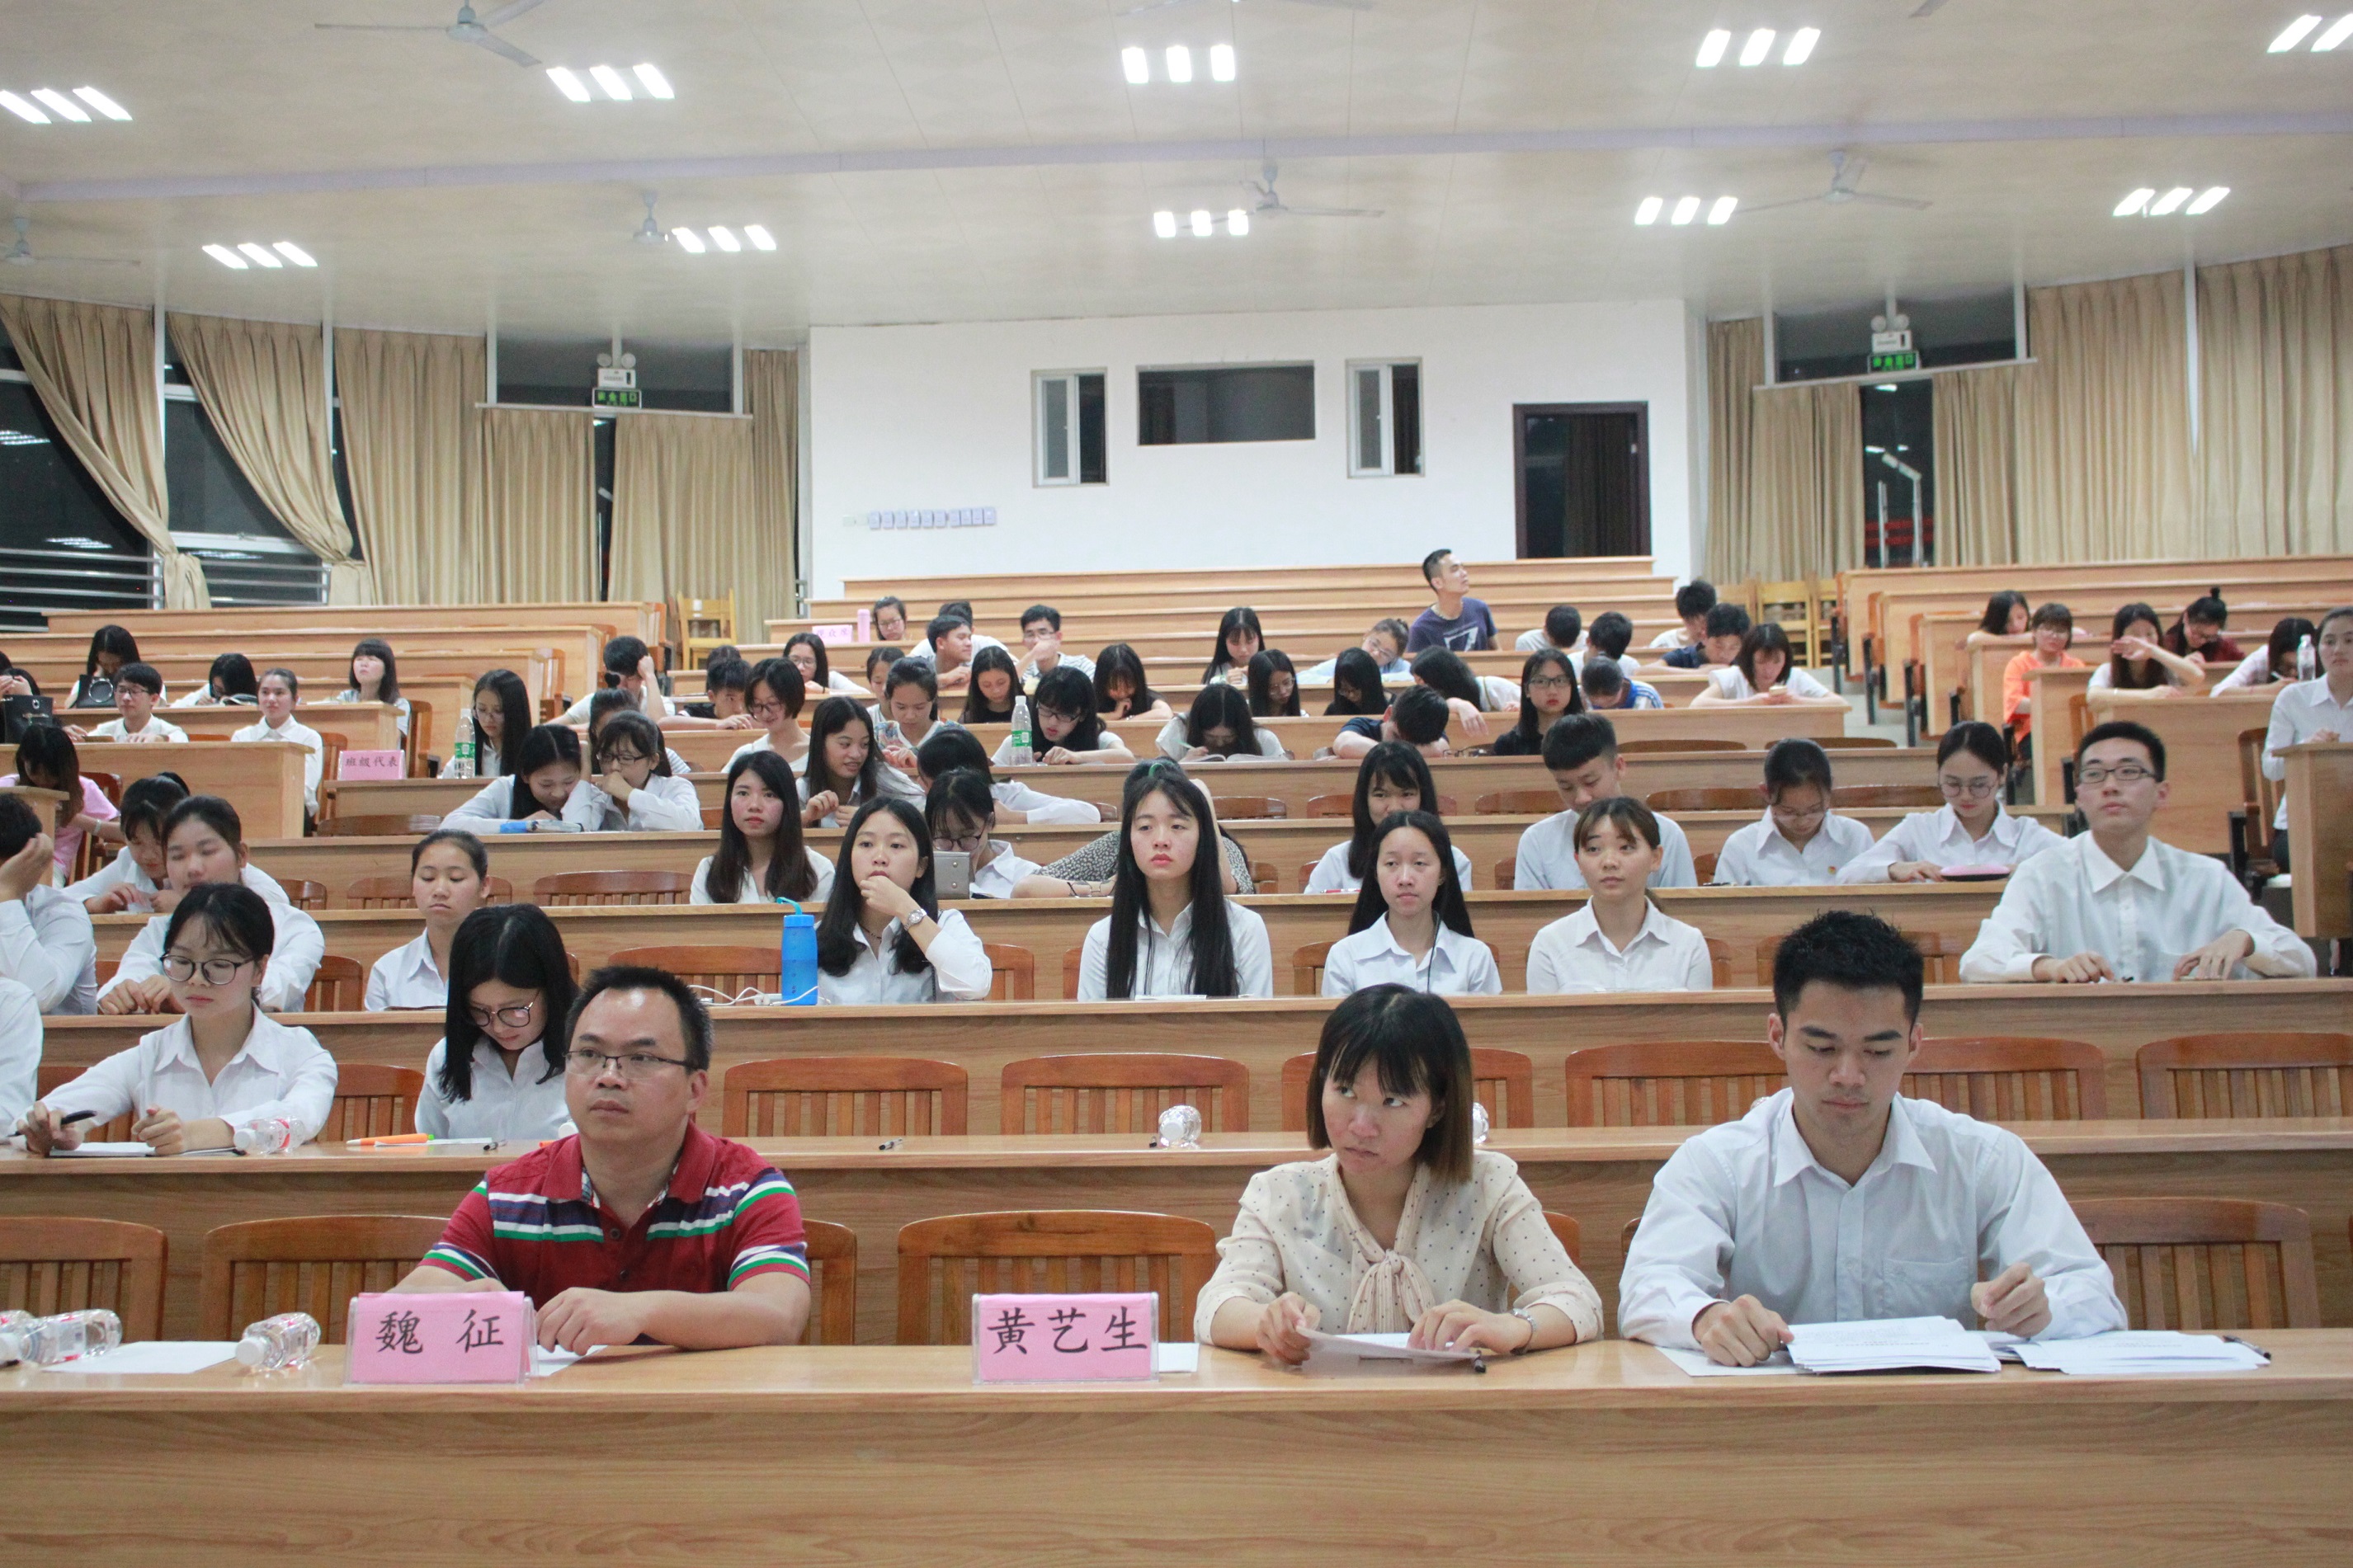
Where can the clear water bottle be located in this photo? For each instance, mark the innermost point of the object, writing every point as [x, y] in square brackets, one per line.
[461, 754]
[1021, 751]
[1180, 1128]
[13, 1323]
[2308, 659]
[799, 954]
[274, 1343]
[45, 1342]
[1479, 1123]
[271, 1135]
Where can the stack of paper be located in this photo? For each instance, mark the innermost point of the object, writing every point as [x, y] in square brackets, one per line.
[2141, 1353]
[1890, 1344]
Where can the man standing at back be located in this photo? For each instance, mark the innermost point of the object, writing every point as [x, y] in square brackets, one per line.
[1457, 622]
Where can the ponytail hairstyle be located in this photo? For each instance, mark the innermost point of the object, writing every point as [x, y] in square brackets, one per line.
[790, 873]
[1071, 696]
[1263, 665]
[836, 930]
[546, 745]
[1357, 686]
[514, 713]
[1214, 971]
[518, 945]
[1453, 911]
[1219, 707]
[1401, 766]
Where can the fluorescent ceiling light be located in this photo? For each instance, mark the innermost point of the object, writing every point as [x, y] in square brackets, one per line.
[2294, 35]
[2135, 201]
[295, 253]
[571, 86]
[760, 238]
[260, 255]
[1685, 210]
[103, 103]
[62, 104]
[1164, 224]
[1202, 225]
[1237, 222]
[1180, 63]
[1721, 212]
[1712, 47]
[1221, 62]
[225, 257]
[1760, 44]
[1802, 46]
[2208, 200]
[1135, 64]
[2338, 31]
[650, 77]
[1647, 212]
[21, 109]
[2170, 203]
[688, 240]
[615, 87]
[724, 239]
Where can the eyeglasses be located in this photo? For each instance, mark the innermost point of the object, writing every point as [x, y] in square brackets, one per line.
[512, 1017]
[1550, 683]
[624, 759]
[1975, 789]
[765, 713]
[632, 1065]
[2125, 773]
[215, 971]
[959, 843]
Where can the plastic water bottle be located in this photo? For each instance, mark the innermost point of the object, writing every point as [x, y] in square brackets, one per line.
[866, 625]
[45, 1342]
[274, 1343]
[273, 1135]
[799, 953]
[2308, 659]
[1479, 1123]
[1180, 1128]
[1021, 753]
[461, 755]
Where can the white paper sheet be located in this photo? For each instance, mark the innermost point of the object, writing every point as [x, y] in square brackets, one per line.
[547, 1362]
[152, 1356]
[1696, 1364]
[130, 1150]
[1890, 1344]
[2140, 1353]
[1383, 1347]
[1176, 1358]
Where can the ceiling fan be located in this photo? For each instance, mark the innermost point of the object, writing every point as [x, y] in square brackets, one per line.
[1846, 173]
[1270, 203]
[650, 232]
[1150, 5]
[468, 28]
[20, 254]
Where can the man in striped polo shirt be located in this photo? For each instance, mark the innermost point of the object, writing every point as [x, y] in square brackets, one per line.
[640, 1226]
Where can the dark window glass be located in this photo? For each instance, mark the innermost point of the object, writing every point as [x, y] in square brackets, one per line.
[1093, 460]
[76, 551]
[1239, 403]
[1405, 412]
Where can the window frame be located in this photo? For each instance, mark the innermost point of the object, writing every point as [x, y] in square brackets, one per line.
[1073, 382]
[1383, 463]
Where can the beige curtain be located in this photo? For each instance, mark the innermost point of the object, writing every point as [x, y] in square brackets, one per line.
[264, 386]
[538, 539]
[93, 367]
[682, 516]
[1975, 426]
[2103, 423]
[2275, 439]
[412, 440]
[1805, 486]
[1735, 364]
[772, 395]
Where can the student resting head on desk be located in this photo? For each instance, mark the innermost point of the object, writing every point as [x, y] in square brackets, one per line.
[1121, 690]
[2114, 903]
[761, 858]
[1217, 728]
[204, 843]
[1172, 932]
[230, 682]
[547, 774]
[1726, 629]
[944, 750]
[1417, 716]
[845, 768]
[448, 875]
[1800, 841]
[224, 1064]
[498, 1069]
[1410, 925]
[1580, 752]
[640, 1227]
[1607, 688]
[1393, 777]
[1620, 940]
[1406, 1226]
[883, 937]
[961, 812]
[2273, 663]
[1837, 1199]
[2005, 615]
[1969, 829]
[1382, 647]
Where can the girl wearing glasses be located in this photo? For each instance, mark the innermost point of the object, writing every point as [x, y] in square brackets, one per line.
[1801, 841]
[885, 938]
[497, 1071]
[204, 843]
[1969, 829]
[1547, 691]
[221, 1067]
[773, 698]
[962, 812]
[762, 858]
[634, 789]
[449, 876]
[1069, 729]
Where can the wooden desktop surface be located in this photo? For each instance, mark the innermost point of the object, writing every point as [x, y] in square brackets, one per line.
[2321, 836]
[367, 725]
[262, 780]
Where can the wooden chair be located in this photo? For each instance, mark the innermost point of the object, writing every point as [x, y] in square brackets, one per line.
[420, 725]
[1122, 1091]
[1703, 867]
[1850, 744]
[50, 1077]
[2247, 1074]
[1719, 963]
[1669, 1083]
[2206, 1263]
[1713, 797]
[312, 1263]
[1071, 971]
[1504, 1081]
[1251, 807]
[372, 1100]
[2260, 797]
[704, 625]
[1517, 803]
[306, 895]
[1307, 968]
[109, 785]
[833, 1284]
[1505, 876]
[1854, 797]
[943, 1262]
[712, 816]
[52, 1263]
[1998, 1077]
[1015, 970]
[1570, 1234]
[1653, 747]
[332, 747]
[721, 967]
[1331, 805]
[1939, 965]
[339, 985]
[568, 890]
[398, 893]
[1263, 876]
[340, 826]
[1806, 633]
[840, 1097]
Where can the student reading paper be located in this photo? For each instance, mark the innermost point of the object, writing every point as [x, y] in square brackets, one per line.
[1840, 1199]
[498, 1069]
[1969, 829]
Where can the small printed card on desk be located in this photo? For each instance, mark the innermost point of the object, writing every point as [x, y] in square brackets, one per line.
[463, 1336]
[371, 765]
[1104, 1338]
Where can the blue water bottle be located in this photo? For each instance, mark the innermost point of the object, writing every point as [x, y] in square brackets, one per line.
[799, 985]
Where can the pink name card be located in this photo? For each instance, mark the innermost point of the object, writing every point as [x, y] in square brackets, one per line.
[840, 631]
[463, 1336]
[1064, 1339]
[372, 765]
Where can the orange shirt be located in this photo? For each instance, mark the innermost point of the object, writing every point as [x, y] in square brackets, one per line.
[2015, 691]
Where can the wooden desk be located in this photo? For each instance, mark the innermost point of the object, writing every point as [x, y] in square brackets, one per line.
[264, 782]
[2201, 754]
[2321, 836]
[643, 619]
[367, 725]
[2053, 727]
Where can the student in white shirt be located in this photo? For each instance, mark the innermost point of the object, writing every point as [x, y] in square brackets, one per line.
[948, 647]
[2117, 904]
[281, 688]
[1620, 940]
[1562, 631]
[1240, 637]
[1218, 727]
[907, 714]
[1069, 732]
[2320, 709]
[1406, 1225]
[761, 858]
[135, 878]
[1969, 829]
[501, 709]
[229, 683]
[634, 789]
[601, 708]
[448, 874]
[845, 768]
[204, 843]
[375, 677]
[1580, 752]
[2138, 661]
[944, 750]
[973, 641]
[1410, 926]
[1800, 841]
[1694, 600]
[225, 1065]
[772, 700]
[1763, 673]
[883, 937]
[1446, 673]
[2273, 663]
[1392, 778]
[628, 665]
[806, 652]
[47, 943]
[1042, 646]
[1384, 645]
[961, 812]
[137, 689]
[1172, 932]
[1839, 1199]
[546, 776]
[498, 1069]
[20, 1051]
[878, 660]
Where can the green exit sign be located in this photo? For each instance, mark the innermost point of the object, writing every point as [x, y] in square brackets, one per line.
[1908, 359]
[618, 397]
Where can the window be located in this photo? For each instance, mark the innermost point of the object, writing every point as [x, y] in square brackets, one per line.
[62, 544]
[1068, 421]
[1226, 403]
[1385, 419]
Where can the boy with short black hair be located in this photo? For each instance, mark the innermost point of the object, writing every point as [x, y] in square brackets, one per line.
[1580, 752]
[1694, 600]
[1605, 687]
[1564, 628]
[1457, 621]
[1041, 645]
[1719, 643]
[137, 689]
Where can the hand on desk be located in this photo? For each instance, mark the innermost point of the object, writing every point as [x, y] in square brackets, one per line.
[2217, 958]
[1739, 1333]
[2013, 1302]
[2081, 970]
[1460, 1326]
[1280, 1326]
[578, 1319]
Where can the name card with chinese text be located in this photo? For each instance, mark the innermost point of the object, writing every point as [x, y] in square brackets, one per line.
[371, 765]
[839, 631]
[465, 1336]
[1064, 1339]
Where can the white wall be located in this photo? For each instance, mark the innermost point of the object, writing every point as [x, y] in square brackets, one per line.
[904, 417]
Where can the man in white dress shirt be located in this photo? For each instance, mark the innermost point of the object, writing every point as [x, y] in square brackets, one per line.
[1839, 1200]
[47, 943]
[2117, 904]
[1580, 752]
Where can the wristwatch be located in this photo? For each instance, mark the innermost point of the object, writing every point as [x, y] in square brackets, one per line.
[1526, 1315]
[913, 918]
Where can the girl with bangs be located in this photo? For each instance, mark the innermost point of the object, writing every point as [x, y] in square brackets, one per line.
[1172, 932]
[1411, 926]
[1393, 777]
[761, 858]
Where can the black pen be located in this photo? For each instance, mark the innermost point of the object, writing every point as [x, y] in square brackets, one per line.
[890, 1143]
[67, 1120]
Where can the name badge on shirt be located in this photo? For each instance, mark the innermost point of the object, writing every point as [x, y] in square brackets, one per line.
[1064, 1339]
[460, 1336]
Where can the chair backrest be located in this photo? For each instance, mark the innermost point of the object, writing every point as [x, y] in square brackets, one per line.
[727, 969]
[372, 1100]
[1337, 805]
[576, 888]
[1120, 1091]
[1571, 1236]
[50, 1077]
[1071, 957]
[305, 894]
[1707, 797]
[1307, 968]
[1719, 962]
[312, 1263]
[1504, 1081]
[338, 985]
[943, 1262]
[1015, 970]
[1517, 803]
[2257, 1074]
[1505, 876]
[1264, 879]
[53, 1264]
[2260, 794]
[2207, 1263]
[420, 726]
[840, 1096]
[1652, 747]
[1939, 965]
[2012, 1077]
[1703, 867]
[833, 1284]
[1247, 808]
[1854, 797]
[398, 893]
[1669, 1083]
[1850, 743]
[340, 826]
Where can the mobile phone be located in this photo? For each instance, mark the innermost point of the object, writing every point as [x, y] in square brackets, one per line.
[952, 874]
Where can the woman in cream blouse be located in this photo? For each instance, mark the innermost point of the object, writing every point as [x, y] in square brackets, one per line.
[1406, 1225]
